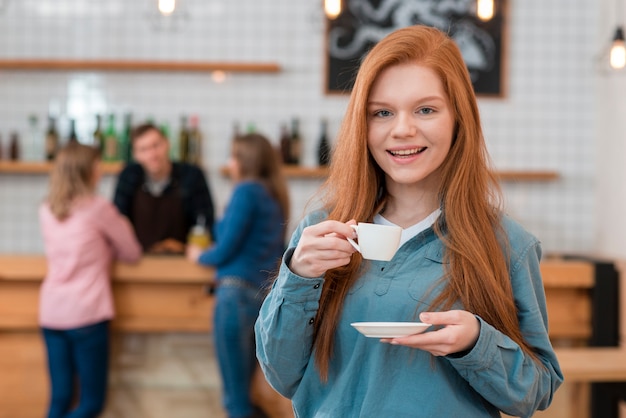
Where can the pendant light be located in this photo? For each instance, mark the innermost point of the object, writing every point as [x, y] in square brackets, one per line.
[618, 50]
[167, 7]
[485, 9]
[332, 8]
[617, 55]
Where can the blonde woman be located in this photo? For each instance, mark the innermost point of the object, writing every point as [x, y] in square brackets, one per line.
[83, 234]
[410, 152]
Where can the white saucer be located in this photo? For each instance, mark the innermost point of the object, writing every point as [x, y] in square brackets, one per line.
[390, 329]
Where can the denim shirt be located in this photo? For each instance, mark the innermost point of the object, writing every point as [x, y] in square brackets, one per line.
[368, 378]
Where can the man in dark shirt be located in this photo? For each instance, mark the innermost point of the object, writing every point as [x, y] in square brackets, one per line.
[162, 199]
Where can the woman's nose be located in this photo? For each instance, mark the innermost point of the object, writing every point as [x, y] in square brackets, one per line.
[405, 126]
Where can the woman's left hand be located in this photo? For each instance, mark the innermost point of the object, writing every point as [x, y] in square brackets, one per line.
[459, 332]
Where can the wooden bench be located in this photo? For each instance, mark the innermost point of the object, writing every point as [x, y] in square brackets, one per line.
[593, 364]
[579, 307]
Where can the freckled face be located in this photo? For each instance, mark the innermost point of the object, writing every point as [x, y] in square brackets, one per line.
[410, 126]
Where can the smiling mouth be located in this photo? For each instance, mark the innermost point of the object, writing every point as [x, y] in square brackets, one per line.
[407, 152]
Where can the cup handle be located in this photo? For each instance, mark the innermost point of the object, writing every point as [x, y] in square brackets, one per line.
[351, 241]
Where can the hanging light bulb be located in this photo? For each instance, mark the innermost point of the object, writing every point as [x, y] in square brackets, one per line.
[332, 8]
[166, 7]
[484, 9]
[618, 50]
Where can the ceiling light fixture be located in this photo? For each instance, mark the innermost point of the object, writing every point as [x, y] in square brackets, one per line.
[167, 7]
[332, 8]
[618, 50]
[485, 9]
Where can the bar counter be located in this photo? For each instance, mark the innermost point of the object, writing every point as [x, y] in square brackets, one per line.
[157, 294]
[168, 294]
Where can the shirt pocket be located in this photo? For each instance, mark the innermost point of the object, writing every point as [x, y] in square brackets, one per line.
[427, 281]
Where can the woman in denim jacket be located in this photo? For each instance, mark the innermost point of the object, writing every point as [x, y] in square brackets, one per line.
[410, 152]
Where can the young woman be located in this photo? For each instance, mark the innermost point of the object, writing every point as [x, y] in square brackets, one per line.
[250, 239]
[410, 152]
[83, 233]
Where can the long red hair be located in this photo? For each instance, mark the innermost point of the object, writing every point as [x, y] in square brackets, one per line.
[469, 194]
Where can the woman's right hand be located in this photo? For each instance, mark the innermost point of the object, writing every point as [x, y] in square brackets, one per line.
[323, 247]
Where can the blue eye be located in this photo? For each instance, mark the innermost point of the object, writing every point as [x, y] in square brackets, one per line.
[426, 110]
[382, 113]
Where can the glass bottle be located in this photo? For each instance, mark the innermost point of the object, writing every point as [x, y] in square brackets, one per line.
[110, 141]
[195, 141]
[52, 139]
[295, 145]
[98, 136]
[14, 147]
[32, 149]
[285, 144]
[323, 147]
[125, 151]
[72, 138]
[199, 234]
[183, 140]
[165, 131]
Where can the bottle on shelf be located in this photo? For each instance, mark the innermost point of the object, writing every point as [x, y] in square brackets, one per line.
[183, 140]
[195, 141]
[165, 131]
[52, 139]
[323, 146]
[32, 150]
[14, 147]
[98, 136]
[111, 151]
[199, 234]
[295, 144]
[124, 146]
[72, 138]
[285, 144]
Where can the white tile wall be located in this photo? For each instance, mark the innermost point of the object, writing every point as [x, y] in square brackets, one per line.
[545, 121]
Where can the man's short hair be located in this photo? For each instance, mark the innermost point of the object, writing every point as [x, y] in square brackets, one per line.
[142, 129]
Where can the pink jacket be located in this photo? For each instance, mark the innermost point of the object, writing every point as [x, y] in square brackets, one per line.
[79, 252]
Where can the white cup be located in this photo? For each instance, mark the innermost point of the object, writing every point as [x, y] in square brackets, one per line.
[376, 242]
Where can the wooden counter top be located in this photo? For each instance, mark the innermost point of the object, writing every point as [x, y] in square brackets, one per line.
[157, 294]
[153, 269]
[168, 292]
[556, 272]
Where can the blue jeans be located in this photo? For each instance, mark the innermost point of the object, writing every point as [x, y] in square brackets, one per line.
[236, 311]
[78, 363]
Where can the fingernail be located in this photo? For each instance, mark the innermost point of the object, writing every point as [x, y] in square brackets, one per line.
[424, 317]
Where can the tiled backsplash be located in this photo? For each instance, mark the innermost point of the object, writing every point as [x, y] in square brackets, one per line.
[544, 121]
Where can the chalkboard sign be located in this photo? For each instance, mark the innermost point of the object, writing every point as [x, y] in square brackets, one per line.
[363, 23]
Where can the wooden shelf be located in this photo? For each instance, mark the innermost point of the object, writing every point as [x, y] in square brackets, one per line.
[527, 175]
[44, 167]
[292, 171]
[135, 65]
[36, 167]
[505, 175]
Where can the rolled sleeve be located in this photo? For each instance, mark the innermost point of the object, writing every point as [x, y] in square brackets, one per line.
[285, 327]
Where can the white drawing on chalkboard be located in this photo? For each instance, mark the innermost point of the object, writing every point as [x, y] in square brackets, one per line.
[477, 45]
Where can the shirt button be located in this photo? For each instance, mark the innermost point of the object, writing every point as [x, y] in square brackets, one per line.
[317, 286]
[311, 321]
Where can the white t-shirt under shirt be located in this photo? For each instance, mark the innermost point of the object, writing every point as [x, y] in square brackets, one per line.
[413, 230]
